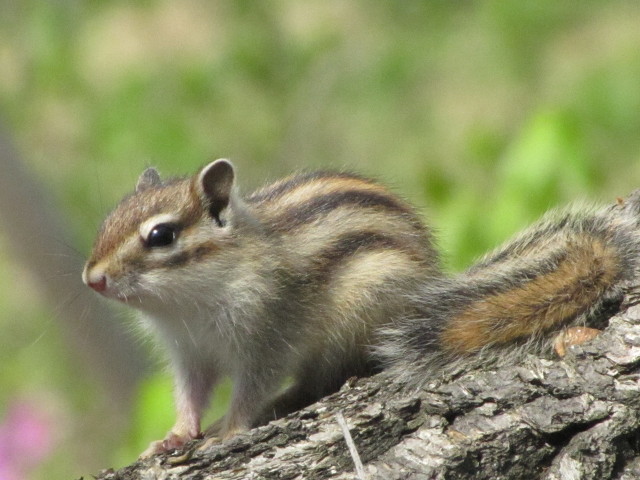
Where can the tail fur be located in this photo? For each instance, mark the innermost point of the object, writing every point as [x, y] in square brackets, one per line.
[568, 269]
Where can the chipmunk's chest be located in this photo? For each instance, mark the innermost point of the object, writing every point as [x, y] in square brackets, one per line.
[197, 335]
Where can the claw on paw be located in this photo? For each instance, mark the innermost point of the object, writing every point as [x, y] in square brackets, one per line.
[208, 443]
[171, 442]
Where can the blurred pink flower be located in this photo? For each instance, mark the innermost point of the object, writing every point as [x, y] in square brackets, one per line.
[26, 438]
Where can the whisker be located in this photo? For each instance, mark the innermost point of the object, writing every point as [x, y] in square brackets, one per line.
[73, 296]
[191, 337]
[45, 330]
[68, 246]
[98, 183]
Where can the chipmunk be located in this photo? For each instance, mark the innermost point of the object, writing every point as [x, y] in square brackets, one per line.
[323, 276]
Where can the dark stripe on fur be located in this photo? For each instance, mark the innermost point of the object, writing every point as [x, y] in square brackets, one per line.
[321, 205]
[536, 236]
[184, 257]
[503, 279]
[279, 189]
[348, 245]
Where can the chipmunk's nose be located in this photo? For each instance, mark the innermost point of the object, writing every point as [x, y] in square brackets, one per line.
[95, 280]
[99, 285]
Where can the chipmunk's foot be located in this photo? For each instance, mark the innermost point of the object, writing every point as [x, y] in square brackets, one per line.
[171, 442]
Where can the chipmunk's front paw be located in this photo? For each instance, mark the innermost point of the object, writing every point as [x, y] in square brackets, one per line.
[171, 442]
[219, 432]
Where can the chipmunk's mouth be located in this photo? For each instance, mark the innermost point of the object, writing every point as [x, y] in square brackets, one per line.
[110, 293]
[121, 295]
[100, 282]
[127, 297]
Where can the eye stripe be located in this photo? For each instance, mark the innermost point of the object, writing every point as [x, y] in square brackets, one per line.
[177, 259]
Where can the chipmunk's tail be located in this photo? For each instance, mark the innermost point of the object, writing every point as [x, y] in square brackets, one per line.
[568, 269]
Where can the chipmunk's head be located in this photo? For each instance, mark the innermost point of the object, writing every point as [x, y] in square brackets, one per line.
[148, 244]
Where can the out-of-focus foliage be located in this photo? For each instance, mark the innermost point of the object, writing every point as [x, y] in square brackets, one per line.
[484, 114]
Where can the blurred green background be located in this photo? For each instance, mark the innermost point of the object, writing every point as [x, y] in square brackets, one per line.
[484, 114]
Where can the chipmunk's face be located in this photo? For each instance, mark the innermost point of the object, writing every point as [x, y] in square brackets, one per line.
[150, 247]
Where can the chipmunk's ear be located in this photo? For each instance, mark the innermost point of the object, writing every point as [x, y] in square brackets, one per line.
[147, 179]
[215, 184]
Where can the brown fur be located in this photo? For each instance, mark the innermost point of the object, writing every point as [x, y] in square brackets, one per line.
[125, 220]
[546, 302]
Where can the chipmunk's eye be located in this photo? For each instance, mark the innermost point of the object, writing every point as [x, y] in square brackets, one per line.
[161, 235]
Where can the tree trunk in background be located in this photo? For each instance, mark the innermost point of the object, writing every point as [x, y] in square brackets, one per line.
[34, 230]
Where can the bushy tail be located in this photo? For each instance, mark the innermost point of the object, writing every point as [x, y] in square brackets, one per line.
[568, 269]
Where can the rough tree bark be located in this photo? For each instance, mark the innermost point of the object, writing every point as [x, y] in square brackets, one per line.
[577, 418]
